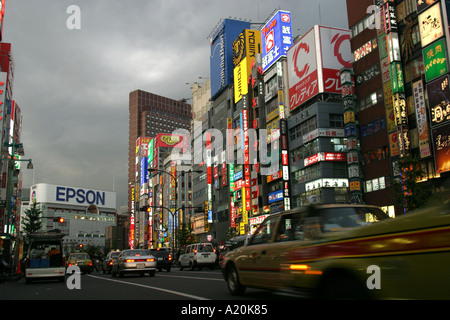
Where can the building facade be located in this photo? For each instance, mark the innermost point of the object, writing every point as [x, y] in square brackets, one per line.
[149, 115]
[86, 213]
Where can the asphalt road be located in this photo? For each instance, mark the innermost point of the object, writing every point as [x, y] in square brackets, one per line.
[197, 285]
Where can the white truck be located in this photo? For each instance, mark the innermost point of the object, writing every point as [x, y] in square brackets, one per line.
[44, 258]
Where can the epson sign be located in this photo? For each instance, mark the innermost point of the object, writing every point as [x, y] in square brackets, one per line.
[81, 196]
[48, 193]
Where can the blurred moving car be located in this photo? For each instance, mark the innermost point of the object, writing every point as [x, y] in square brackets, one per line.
[109, 260]
[163, 258]
[198, 255]
[230, 245]
[259, 263]
[403, 258]
[82, 260]
[134, 261]
[44, 258]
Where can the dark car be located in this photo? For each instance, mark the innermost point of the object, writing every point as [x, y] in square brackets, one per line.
[163, 258]
[109, 261]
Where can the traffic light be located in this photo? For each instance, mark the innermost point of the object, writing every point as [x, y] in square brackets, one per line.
[58, 219]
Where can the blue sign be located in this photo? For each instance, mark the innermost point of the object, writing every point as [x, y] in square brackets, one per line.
[276, 38]
[144, 170]
[221, 59]
[276, 196]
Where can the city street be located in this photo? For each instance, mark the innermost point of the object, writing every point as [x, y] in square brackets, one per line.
[175, 285]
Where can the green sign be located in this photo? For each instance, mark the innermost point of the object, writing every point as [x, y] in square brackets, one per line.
[435, 60]
[397, 83]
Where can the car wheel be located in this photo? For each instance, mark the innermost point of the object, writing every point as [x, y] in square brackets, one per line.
[234, 285]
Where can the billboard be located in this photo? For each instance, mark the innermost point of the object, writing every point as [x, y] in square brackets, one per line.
[315, 61]
[48, 193]
[246, 45]
[221, 58]
[276, 38]
[439, 101]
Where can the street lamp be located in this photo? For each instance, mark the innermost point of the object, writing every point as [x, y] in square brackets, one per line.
[154, 170]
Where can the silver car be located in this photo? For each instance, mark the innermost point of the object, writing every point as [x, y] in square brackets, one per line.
[134, 261]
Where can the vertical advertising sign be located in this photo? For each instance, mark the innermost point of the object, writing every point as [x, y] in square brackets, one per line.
[302, 70]
[276, 38]
[441, 139]
[421, 116]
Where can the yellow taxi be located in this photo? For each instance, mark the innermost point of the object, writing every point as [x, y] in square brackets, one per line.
[82, 260]
[403, 258]
[329, 256]
[259, 263]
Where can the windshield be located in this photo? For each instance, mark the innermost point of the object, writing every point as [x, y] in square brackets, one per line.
[79, 256]
[134, 253]
[335, 219]
[205, 248]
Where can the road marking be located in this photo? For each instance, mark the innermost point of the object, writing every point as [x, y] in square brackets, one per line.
[151, 287]
[187, 277]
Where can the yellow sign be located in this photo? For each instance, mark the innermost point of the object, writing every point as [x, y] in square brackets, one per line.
[246, 45]
[240, 80]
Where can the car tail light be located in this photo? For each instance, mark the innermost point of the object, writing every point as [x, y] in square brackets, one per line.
[170, 257]
[110, 263]
[150, 260]
[129, 260]
[90, 263]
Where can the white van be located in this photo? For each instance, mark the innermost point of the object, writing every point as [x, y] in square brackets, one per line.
[45, 257]
[198, 255]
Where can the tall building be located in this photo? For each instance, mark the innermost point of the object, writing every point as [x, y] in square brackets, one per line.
[401, 86]
[150, 114]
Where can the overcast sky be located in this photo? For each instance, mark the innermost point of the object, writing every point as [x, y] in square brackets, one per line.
[73, 85]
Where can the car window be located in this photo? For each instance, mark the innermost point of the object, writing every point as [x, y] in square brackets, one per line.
[205, 248]
[336, 219]
[265, 231]
[290, 227]
[79, 256]
[134, 253]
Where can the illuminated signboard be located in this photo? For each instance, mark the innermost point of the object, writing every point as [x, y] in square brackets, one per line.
[325, 156]
[431, 25]
[315, 61]
[275, 196]
[421, 116]
[435, 60]
[439, 101]
[276, 38]
[441, 140]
